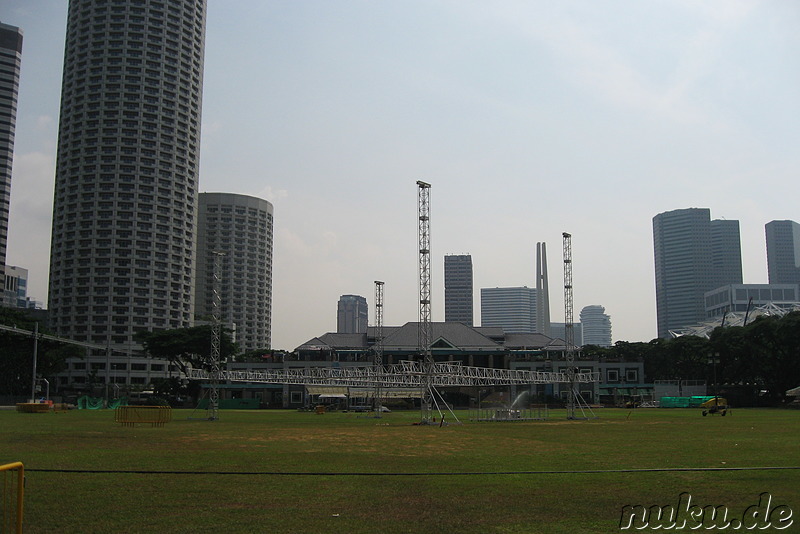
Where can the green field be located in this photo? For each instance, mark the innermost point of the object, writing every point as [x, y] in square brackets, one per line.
[350, 473]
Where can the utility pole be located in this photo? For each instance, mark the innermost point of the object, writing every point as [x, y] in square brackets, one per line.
[425, 334]
[35, 357]
[569, 333]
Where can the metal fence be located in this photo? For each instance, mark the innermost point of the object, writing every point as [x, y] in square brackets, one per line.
[12, 497]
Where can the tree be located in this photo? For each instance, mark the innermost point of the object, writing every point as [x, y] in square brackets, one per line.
[775, 346]
[186, 346]
[16, 350]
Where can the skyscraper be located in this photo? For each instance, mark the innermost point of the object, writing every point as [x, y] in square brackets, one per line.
[512, 308]
[238, 227]
[458, 289]
[783, 252]
[726, 252]
[351, 315]
[693, 254]
[124, 228]
[596, 326]
[10, 59]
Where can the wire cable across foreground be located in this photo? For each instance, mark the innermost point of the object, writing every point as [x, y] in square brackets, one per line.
[414, 473]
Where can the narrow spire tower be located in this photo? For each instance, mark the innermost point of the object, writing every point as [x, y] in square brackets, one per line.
[542, 291]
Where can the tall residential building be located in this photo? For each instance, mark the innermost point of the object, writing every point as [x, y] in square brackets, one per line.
[124, 227]
[458, 289]
[351, 315]
[512, 308]
[10, 59]
[238, 230]
[783, 252]
[596, 326]
[693, 254]
[542, 291]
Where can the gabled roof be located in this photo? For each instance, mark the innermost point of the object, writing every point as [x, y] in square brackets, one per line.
[332, 340]
[452, 334]
[527, 341]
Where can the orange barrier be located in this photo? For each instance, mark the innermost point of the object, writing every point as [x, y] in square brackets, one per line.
[12, 516]
[154, 415]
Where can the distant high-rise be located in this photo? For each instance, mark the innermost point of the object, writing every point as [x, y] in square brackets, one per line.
[542, 291]
[124, 212]
[10, 59]
[726, 252]
[512, 308]
[458, 289]
[783, 252]
[558, 331]
[239, 227]
[596, 326]
[351, 315]
[693, 254]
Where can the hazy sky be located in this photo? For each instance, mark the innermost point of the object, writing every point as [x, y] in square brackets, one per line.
[528, 118]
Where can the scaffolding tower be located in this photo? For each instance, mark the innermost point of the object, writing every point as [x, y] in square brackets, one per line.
[378, 347]
[569, 328]
[216, 328]
[425, 328]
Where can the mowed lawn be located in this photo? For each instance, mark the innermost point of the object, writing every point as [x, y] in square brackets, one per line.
[351, 473]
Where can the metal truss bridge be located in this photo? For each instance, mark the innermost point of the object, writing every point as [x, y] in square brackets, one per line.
[407, 374]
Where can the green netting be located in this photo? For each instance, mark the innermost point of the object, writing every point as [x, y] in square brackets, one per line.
[96, 403]
[683, 402]
[89, 403]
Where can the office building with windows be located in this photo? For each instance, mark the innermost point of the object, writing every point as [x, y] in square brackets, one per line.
[235, 232]
[352, 315]
[693, 255]
[10, 61]
[124, 213]
[458, 289]
[511, 308]
[744, 298]
[783, 252]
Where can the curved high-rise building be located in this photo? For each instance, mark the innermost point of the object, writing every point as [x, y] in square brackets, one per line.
[10, 60]
[239, 229]
[124, 214]
[596, 326]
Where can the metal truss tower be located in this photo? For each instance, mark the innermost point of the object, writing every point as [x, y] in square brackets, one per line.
[378, 360]
[216, 327]
[425, 327]
[569, 331]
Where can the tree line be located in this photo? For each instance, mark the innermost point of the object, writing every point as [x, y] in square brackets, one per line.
[762, 357]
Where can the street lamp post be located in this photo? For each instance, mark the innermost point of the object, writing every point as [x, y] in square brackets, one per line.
[714, 360]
